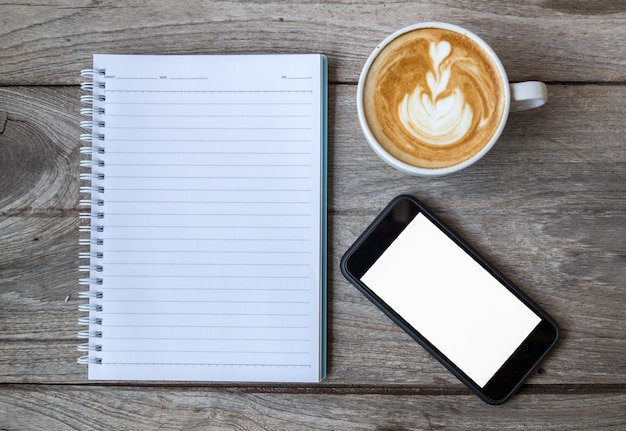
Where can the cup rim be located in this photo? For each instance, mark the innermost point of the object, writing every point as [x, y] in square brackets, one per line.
[416, 170]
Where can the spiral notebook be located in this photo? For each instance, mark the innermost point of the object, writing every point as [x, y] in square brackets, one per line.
[204, 241]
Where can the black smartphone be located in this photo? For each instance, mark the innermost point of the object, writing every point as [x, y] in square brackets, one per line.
[450, 299]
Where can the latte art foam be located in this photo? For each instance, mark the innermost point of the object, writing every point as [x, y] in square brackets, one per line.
[430, 116]
[433, 98]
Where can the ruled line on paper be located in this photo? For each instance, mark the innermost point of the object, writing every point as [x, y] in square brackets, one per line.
[208, 289]
[210, 213]
[232, 190]
[212, 103]
[212, 140]
[234, 326]
[209, 264]
[253, 276]
[204, 364]
[168, 301]
[207, 128]
[210, 339]
[208, 165]
[223, 226]
[256, 177]
[211, 251]
[204, 239]
[205, 116]
[216, 202]
[148, 78]
[218, 153]
[199, 91]
[213, 326]
[256, 352]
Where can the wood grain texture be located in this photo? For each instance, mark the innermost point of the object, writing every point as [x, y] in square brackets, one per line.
[547, 206]
[39, 151]
[556, 41]
[121, 408]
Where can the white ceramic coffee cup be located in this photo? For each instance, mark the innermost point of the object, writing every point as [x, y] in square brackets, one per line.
[518, 97]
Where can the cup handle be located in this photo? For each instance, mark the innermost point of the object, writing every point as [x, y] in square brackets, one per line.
[528, 95]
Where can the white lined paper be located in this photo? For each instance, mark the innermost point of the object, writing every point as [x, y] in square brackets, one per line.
[212, 229]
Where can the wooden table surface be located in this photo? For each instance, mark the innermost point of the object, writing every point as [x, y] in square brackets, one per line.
[547, 205]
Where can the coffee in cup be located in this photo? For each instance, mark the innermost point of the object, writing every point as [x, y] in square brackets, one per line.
[433, 98]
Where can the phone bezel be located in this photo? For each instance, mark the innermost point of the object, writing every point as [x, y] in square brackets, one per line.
[382, 232]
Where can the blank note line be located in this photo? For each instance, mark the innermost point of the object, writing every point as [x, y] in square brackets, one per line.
[232, 190]
[182, 301]
[159, 264]
[216, 153]
[198, 91]
[211, 214]
[207, 128]
[210, 251]
[214, 326]
[286, 340]
[211, 202]
[150, 238]
[206, 116]
[224, 289]
[232, 165]
[256, 352]
[215, 177]
[210, 140]
[254, 276]
[212, 103]
[222, 226]
[143, 364]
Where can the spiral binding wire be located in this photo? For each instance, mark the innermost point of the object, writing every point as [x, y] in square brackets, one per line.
[92, 176]
[90, 137]
[92, 73]
[94, 198]
[89, 321]
[90, 294]
[88, 334]
[90, 112]
[89, 281]
[98, 189]
[89, 100]
[91, 228]
[92, 150]
[89, 125]
[91, 163]
[89, 86]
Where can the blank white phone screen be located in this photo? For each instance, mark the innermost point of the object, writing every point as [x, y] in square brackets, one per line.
[450, 299]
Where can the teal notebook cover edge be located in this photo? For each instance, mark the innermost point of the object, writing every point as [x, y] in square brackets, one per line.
[324, 251]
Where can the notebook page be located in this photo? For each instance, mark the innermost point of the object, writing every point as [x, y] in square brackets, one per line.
[212, 229]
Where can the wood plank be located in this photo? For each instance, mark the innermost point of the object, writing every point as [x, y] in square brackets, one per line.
[105, 408]
[553, 41]
[39, 144]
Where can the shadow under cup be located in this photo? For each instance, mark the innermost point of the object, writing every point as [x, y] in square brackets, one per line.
[432, 99]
